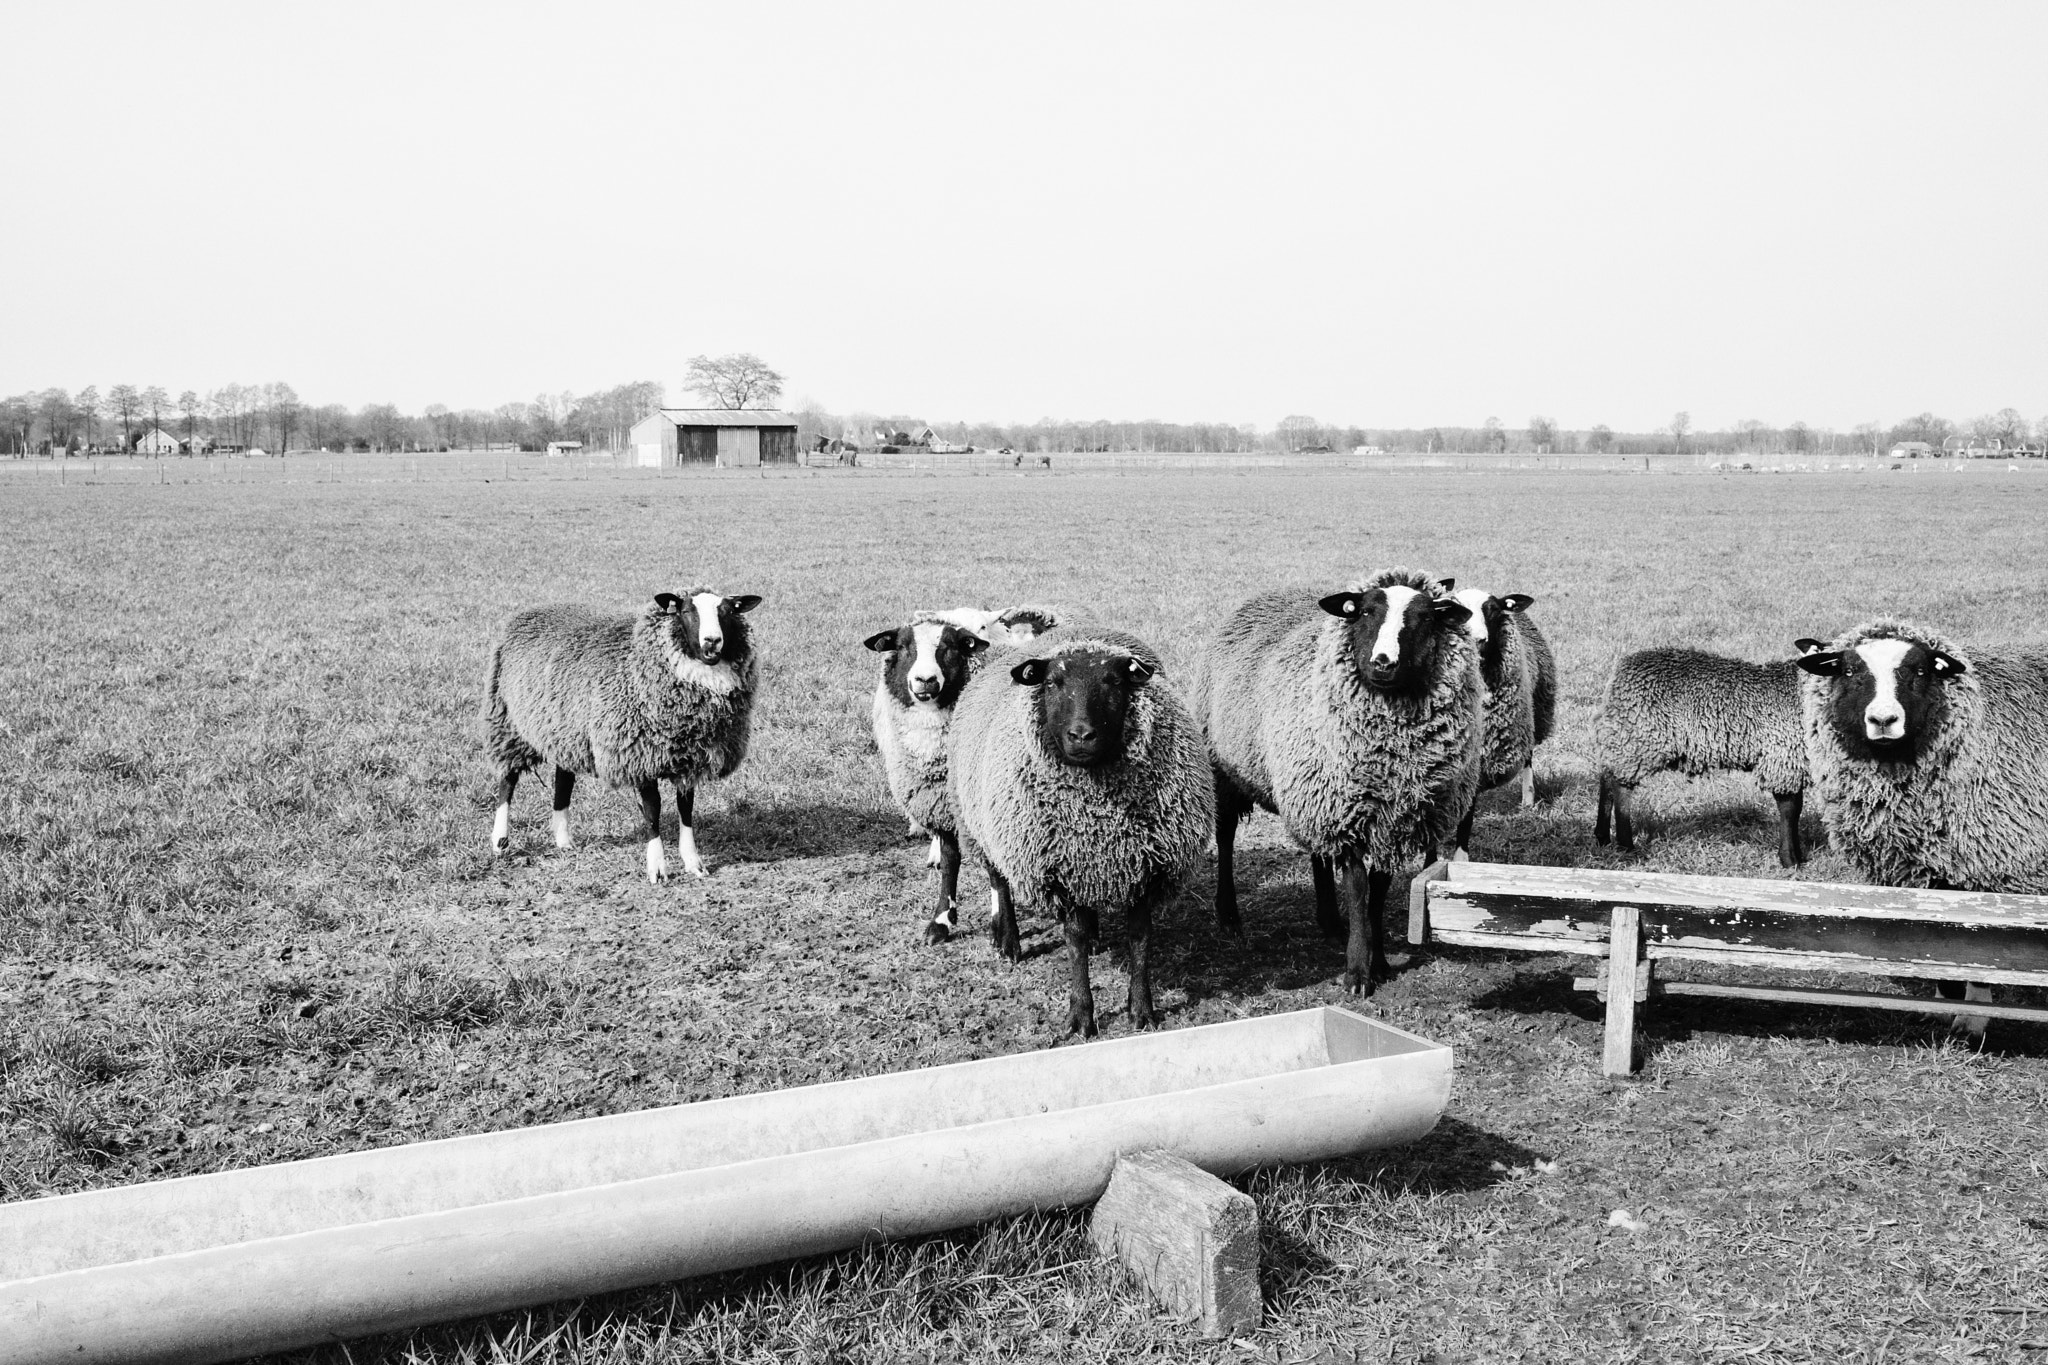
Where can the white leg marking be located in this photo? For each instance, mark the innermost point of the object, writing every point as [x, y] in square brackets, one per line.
[1975, 1024]
[657, 861]
[995, 904]
[931, 859]
[1459, 855]
[501, 829]
[686, 847]
[1528, 785]
[559, 822]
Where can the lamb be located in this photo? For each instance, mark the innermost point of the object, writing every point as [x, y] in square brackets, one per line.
[1698, 713]
[1931, 761]
[926, 661]
[1520, 677]
[1356, 719]
[630, 700]
[1080, 779]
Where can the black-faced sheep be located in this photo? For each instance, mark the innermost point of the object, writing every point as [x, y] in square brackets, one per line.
[630, 700]
[926, 661]
[1355, 718]
[1931, 761]
[1081, 780]
[1520, 677]
[1689, 711]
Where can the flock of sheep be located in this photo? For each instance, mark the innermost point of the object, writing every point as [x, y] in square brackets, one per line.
[1368, 720]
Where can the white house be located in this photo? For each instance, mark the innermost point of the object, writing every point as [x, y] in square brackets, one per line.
[157, 441]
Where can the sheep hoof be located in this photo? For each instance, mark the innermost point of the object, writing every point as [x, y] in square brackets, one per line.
[935, 932]
[1143, 1019]
[1459, 855]
[1357, 982]
[500, 845]
[1081, 1021]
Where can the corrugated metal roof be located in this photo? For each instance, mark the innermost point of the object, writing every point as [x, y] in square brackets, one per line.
[729, 417]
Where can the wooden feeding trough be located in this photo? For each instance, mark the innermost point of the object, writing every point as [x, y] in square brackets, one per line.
[217, 1267]
[1631, 920]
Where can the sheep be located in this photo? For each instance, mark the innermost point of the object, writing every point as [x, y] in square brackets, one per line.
[1520, 677]
[1080, 779]
[630, 700]
[1698, 713]
[926, 661]
[1931, 762]
[1356, 719]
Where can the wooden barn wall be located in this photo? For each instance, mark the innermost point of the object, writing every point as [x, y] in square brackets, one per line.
[778, 445]
[696, 445]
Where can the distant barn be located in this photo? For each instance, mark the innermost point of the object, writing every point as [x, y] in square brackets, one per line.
[727, 437]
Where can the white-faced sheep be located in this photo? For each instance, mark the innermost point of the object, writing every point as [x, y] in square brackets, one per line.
[1689, 711]
[1931, 761]
[667, 694]
[1356, 719]
[1520, 677]
[1080, 778]
[926, 661]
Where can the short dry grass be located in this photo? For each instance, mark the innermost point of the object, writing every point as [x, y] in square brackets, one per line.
[247, 912]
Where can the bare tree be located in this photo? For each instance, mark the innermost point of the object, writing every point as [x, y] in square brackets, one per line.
[2006, 428]
[283, 401]
[1496, 435]
[1542, 434]
[90, 405]
[1681, 423]
[124, 401]
[154, 401]
[188, 408]
[1799, 438]
[1296, 430]
[733, 381]
[1600, 439]
[1752, 432]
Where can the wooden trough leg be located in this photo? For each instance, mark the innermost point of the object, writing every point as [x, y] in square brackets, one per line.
[1192, 1240]
[1624, 950]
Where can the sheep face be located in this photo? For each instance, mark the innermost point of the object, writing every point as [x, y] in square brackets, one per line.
[706, 627]
[1886, 697]
[1397, 633]
[926, 661]
[1487, 625]
[1082, 699]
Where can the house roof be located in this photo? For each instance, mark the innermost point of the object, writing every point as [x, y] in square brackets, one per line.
[729, 417]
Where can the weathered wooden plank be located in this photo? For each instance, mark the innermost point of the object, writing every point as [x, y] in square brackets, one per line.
[1418, 901]
[1793, 995]
[1624, 947]
[1191, 1239]
[1758, 957]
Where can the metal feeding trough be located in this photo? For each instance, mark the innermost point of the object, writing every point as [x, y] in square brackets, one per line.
[217, 1267]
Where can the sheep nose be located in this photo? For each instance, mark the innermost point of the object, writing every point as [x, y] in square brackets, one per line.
[1884, 724]
[1082, 735]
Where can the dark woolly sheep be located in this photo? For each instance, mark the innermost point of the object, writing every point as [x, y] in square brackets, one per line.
[1520, 677]
[1354, 717]
[1081, 780]
[926, 661]
[1689, 711]
[667, 694]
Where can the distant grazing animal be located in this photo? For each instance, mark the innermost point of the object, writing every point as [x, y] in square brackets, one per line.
[1931, 760]
[1520, 676]
[630, 700]
[925, 663]
[1689, 711]
[1354, 717]
[1080, 779]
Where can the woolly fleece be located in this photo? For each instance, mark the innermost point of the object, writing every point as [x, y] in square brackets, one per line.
[1107, 837]
[1972, 812]
[1509, 709]
[1697, 713]
[1347, 769]
[614, 697]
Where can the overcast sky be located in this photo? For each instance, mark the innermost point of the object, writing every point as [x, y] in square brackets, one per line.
[1384, 215]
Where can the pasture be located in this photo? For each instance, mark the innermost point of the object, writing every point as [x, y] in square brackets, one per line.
[248, 913]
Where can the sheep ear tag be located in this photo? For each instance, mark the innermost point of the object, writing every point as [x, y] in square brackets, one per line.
[972, 643]
[1139, 671]
[667, 601]
[1031, 672]
[1947, 666]
[744, 602]
[1822, 663]
[882, 641]
[1517, 601]
[1345, 604]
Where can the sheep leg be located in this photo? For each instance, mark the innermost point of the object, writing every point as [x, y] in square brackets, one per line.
[1080, 999]
[1328, 920]
[1604, 804]
[936, 855]
[1228, 813]
[946, 918]
[1002, 922]
[1624, 817]
[501, 824]
[1138, 931]
[565, 783]
[1528, 784]
[686, 830]
[1377, 884]
[650, 831]
[1972, 1025]
[1461, 848]
[1791, 851]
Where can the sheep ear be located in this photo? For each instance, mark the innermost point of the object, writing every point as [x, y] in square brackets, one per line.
[1031, 672]
[667, 601]
[1948, 665]
[1822, 663]
[1517, 601]
[1138, 671]
[882, 641]
[1450, 612]
[971, 642]
[1346, 604]
[743, 603]
[1447, 583]
[1806, 644]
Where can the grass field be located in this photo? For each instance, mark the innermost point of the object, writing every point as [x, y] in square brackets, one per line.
[247, 911]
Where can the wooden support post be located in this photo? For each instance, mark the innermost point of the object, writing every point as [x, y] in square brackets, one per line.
[1192, 1240]
[1624, 951]
[1418, 902]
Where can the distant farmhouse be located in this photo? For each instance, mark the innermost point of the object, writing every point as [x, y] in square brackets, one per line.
[726, 437]
[1913, 450]
[157, 441]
